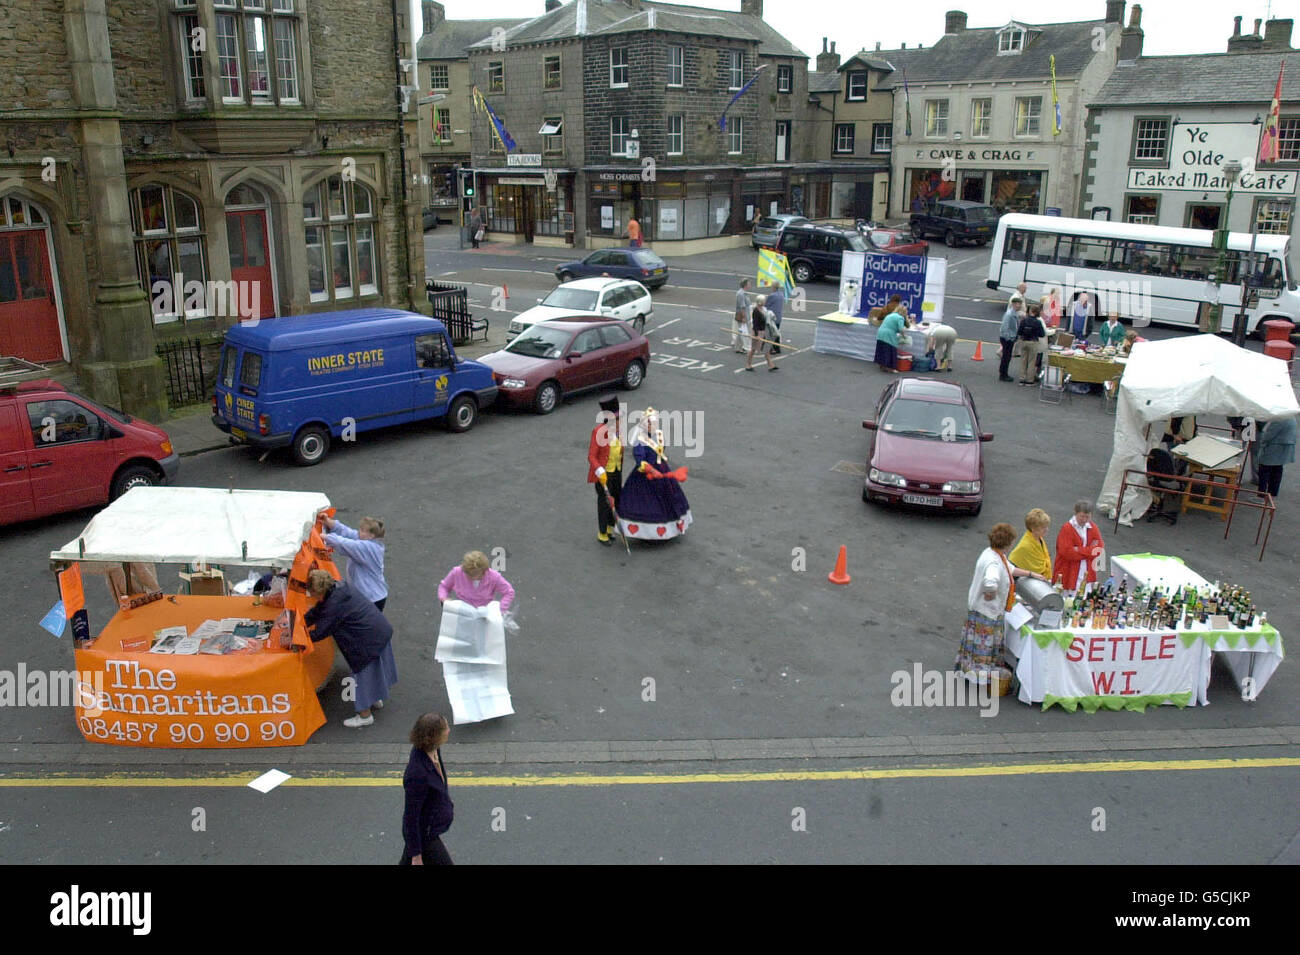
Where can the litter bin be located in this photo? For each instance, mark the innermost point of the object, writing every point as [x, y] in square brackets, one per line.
[1280, 349]
[1278, 329]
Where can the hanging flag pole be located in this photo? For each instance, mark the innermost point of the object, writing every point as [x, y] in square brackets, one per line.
[907, 104]
[722, 120]
[494, 121]
[1056, 102]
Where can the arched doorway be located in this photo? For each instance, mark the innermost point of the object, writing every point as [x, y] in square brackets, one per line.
[248, 233]
[31, 325]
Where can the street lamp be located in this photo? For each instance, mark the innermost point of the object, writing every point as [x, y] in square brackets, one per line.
[1231, 170]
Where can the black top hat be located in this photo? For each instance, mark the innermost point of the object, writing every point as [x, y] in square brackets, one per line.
[609, 403]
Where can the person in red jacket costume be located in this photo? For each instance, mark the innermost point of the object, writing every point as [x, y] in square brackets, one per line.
[1078, 546]
[605, 465]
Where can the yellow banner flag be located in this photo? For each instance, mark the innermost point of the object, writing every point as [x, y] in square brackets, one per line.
[774, 270]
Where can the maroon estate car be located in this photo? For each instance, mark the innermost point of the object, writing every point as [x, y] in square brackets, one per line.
[926, 447]
[564, 356]
[896, 240]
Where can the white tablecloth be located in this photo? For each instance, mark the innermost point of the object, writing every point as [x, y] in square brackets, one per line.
[857, 338]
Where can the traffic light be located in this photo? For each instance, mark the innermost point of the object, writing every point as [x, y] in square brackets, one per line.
[467, 181]
[450, 183]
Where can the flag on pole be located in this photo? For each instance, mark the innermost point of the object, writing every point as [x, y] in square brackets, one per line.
[498, 128]
[722, 120]
[774, 270]
[1269, 150]
[1056, 103]
[907, 103]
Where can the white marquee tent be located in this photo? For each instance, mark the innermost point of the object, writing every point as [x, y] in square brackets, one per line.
[1196, 375]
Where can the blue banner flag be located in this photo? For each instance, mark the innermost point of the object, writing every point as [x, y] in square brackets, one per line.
[885, 275]
[722, 120]
[498, 128]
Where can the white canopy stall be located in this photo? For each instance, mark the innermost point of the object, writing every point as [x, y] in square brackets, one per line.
[1195, 375]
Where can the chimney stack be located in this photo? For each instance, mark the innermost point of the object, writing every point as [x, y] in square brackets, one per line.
[1277, 36]
[877, 46]
[432, 13]
[954, 21]
[1236, 26]
[1130, 38]
[1115, 11]
[828, 61]
[552, 5]
[1244, 42]
[753, 8]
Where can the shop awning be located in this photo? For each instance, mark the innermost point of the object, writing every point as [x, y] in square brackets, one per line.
[178, 525]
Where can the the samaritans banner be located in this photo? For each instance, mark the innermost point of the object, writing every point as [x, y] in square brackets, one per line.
[885, 275]
[1119, 669]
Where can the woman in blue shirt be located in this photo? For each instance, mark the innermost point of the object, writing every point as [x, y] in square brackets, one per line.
[364, 549]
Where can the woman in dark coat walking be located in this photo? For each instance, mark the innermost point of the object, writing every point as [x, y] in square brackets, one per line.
[428, 807]
[363, 635]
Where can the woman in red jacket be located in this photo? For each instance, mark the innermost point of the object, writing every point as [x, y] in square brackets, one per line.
[1078, 546]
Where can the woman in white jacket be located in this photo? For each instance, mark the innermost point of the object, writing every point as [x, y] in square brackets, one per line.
[991, 594]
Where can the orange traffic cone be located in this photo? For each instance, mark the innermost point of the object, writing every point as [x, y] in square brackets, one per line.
[979, 352]
[506, 292]
[840, 575]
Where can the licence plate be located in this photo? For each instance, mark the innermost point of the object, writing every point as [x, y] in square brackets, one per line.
[659, 271]
[926, 499]
[238, 433]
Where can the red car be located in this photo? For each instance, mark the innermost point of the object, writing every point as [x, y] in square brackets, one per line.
[896, 240]
[60, 451]
[926, 447]
[564, 356]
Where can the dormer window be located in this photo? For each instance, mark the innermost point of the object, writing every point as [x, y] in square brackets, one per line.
[1011, 39]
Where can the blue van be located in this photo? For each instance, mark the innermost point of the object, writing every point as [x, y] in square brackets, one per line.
[301, 380]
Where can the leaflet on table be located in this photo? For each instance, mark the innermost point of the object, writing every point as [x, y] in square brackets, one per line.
[1019, 615]
[165, 640]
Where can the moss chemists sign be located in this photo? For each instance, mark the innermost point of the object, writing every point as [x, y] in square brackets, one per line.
[1197, 153]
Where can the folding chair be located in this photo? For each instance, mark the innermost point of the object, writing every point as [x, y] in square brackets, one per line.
[1052, 388]
[1160, 461]
[1110, 391]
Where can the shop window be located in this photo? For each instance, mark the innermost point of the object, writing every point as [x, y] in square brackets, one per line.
[844, 133]
[257, 50]
[882, 137]
[676, 66]
[735, 69]
[785, 78]
[735, 136]
[618, 68]
[856, 86]
[1151, 140]
[981, 118]
[496, 76]
[620, 128]
[1142, 210]
[936, 117]
[552, 133]
[439, 77]
[1029, 110]
[342, 257]
[676, 135]
[1274, 216]
[551, 75]
[552, 215]
[1017, 191]
[169, 240]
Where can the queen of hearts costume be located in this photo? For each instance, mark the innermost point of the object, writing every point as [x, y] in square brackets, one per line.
[653, 506]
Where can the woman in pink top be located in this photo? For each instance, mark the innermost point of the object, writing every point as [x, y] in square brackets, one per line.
[476, 583]
[1051, 309]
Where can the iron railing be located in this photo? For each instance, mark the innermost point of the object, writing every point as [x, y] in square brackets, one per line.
[191, 365]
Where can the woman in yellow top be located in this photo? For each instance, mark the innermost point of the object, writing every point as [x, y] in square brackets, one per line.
[1030, 558]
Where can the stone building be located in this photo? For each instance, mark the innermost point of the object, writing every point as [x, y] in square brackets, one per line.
[443, 52]
[981, 112]
[1162, 127]
[615, 108]
[171, 166]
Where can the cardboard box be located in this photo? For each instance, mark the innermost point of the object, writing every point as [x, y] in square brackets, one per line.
[210, 583]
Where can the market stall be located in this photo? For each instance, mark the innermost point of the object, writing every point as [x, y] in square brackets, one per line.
[854, 337]
[202, 671]
[1194, 375]
[1092, 368]
[1103, 662]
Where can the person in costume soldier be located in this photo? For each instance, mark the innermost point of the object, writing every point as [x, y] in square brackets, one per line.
[605, 466]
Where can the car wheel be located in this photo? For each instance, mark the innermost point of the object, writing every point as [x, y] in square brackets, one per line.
[802, 272]
[461, 414]
[639, 323]
[633, 375]
[865, 496]
[917, 231]
[138, 475]
[978, 507]
[566, 277]
[950, 239]
[310, 445]
[548, 396]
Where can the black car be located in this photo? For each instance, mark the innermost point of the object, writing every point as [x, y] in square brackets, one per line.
[956, 220]
[814, 251]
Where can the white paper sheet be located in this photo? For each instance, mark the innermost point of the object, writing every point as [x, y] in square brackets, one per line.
[268, 780]
[472, 651]
[1019, 615]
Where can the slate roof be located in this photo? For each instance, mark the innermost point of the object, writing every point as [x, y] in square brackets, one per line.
[451, 39]
[972, 55]
[605, 17]
[824, 82]
[1200, 78]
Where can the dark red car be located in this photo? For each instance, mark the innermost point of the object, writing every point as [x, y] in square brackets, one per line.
[563, 356]
[896, 240]
[926, 447]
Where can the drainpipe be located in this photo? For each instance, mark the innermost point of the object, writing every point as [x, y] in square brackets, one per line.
[401, 149]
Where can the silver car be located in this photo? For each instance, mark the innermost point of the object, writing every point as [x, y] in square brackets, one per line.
[768, 230]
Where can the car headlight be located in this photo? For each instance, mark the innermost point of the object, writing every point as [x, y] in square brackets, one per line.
[513, 383]
[887, 477]
[962, 487]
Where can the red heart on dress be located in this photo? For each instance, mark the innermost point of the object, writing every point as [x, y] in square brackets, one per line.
[681, 525]
[661, 531]
[633, 528]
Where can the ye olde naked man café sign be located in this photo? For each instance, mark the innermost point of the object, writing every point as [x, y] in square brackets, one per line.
[1196, 157]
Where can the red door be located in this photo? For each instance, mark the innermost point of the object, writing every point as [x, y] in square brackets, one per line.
[29, 318]
[250, 262]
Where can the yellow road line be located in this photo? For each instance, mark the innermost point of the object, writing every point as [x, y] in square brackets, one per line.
[583, 779]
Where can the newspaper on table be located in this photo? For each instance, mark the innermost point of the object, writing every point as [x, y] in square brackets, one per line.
[472, 651]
